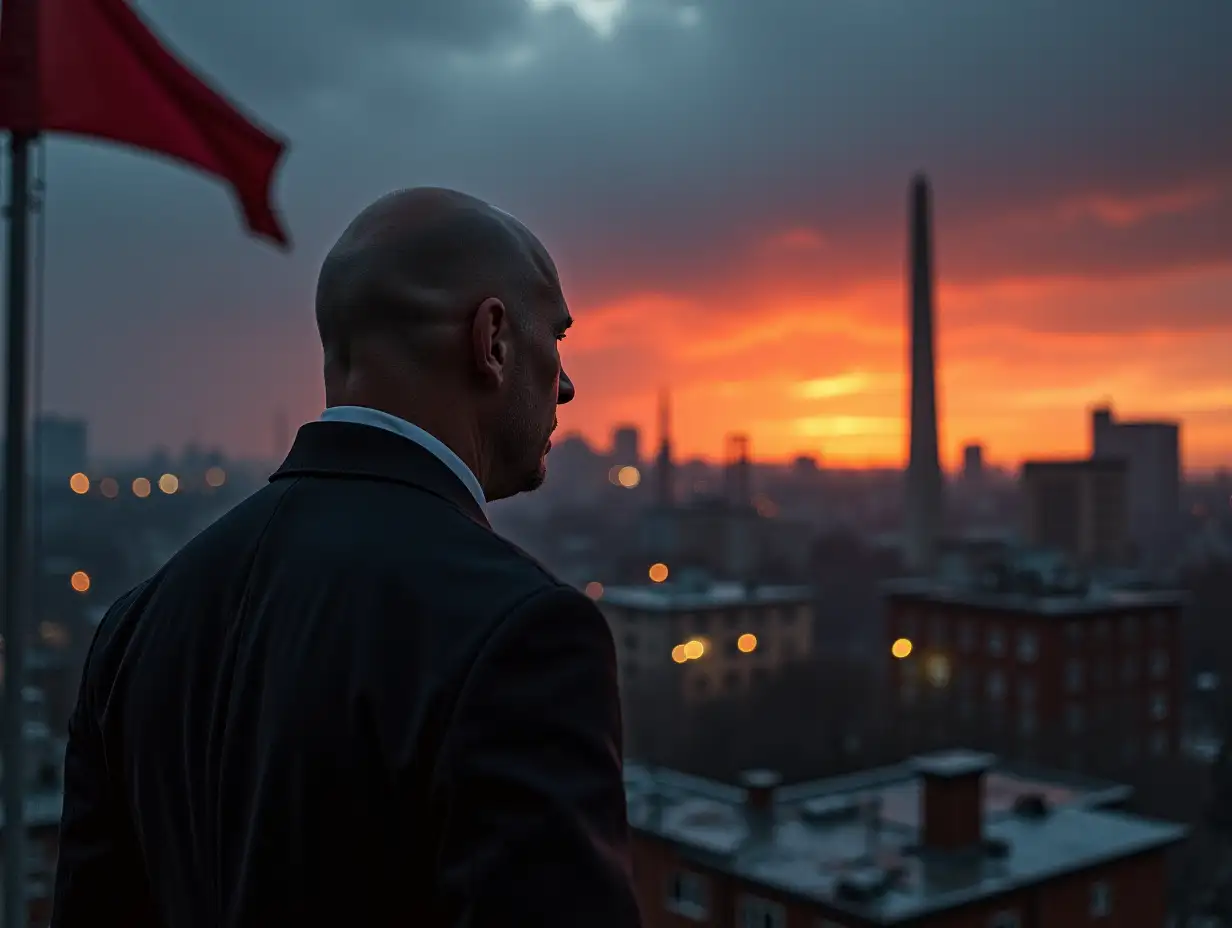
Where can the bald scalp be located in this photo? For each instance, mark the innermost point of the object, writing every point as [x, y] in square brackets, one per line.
[412, 268]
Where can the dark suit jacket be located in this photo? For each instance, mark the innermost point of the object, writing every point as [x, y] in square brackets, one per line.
[348, 702]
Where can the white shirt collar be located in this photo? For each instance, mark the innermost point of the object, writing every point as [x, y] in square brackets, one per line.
[362, 415]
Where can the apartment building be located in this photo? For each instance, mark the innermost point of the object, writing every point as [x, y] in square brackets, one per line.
[947, 840]
[715, 639]
[1031, 659]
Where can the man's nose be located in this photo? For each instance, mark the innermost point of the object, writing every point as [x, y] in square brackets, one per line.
[565, 392]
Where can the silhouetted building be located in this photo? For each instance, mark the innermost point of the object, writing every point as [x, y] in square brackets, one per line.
[923, 502]
[946, 839]
[1078, 507]
[627, 446]
[62, 448]
[973, 463]
[1152, 453]
[737, 473]
[665, 475]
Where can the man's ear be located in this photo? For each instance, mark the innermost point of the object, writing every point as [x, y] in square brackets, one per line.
[491, 342]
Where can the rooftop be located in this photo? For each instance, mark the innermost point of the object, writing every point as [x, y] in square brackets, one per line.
[1090, 600]
[671, 596]
[852, 842]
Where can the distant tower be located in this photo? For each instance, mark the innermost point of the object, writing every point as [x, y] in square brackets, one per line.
[922, 515]
[626, 445]
[664, 471]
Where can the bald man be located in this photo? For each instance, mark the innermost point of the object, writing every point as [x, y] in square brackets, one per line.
[348, 701]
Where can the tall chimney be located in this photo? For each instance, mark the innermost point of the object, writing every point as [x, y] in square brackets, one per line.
[922, 515]
[759, 789]
[952, 798]
[664, 472]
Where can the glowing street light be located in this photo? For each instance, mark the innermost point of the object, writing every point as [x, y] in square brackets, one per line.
[80, 581]
[79, 484]
[168, 483]
[628, 477]
[215, 477]
[901, 648]
[594, 589]
[109, 488]
[678, 654]
[747, 643]
[694, 649]
[658, 573]
[141, 487]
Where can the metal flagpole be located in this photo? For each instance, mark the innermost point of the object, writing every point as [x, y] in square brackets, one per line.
[14, 540]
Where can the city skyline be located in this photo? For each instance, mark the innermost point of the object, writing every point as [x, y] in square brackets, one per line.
[724, 220]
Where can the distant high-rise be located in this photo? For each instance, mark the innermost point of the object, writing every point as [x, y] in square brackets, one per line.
[1152, 454]
[60, 447]
[738, 472]
[922, 504]
[627, 445]
[664, 474]
[973, 462]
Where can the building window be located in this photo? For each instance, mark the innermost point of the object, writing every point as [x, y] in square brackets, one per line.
[1103, 630]
[1026, 691]
[1073, 675]
[688, 894]
[761, 913]
[1073, 718]
[966, 636]
[1159, 706]
[1005, 919]
[1129, 670]
[996, 685]
[1130, 628]
[1101, 899]
[1103, 671]
[906, 624]
[996, 642]
[1159, 664]
[1159, 624]
[1159, 743]
[1028, 647]
[1073, 634]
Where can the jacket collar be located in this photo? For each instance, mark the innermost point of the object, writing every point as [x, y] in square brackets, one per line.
[348, 449]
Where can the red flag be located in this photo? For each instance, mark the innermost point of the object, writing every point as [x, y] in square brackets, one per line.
[93, 68]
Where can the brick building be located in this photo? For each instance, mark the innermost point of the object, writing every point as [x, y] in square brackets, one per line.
[1032, 661]
[947, 840]
[714, 638]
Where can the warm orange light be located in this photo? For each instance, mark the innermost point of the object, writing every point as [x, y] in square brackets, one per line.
[658, 572]
[80, 581]
[215, 476]
[694, 649]
[594, 589]
[901, 648]
[141, 487]
[747, 643]
[109, 488]
[628, 477]
[678, 654]
[79, 484]
[168, 483]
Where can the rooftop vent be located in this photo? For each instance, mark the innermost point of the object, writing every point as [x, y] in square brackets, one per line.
[1031, 805]
[868, 883]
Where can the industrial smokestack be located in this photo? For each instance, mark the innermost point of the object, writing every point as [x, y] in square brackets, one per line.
[923, 502]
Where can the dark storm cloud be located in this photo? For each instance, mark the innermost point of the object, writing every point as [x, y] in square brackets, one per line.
[662, 156]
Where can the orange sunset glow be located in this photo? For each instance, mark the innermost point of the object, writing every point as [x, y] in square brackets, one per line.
[1020, 359]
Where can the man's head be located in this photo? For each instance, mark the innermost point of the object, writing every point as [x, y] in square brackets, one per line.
[438, 308]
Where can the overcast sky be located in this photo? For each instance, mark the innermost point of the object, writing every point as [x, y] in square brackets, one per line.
[723, 184]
